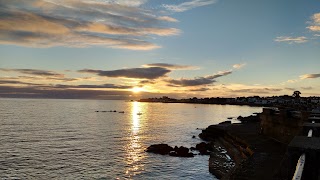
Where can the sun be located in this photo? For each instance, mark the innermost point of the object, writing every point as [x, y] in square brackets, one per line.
[137, 89]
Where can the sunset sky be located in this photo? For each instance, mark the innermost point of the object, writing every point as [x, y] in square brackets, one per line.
[127, 49]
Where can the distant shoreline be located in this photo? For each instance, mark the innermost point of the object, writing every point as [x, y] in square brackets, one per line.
[235, 104]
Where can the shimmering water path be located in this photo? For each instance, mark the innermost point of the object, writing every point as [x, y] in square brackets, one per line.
[67, 139]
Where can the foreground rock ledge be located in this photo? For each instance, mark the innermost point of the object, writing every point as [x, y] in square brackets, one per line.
[252, 155]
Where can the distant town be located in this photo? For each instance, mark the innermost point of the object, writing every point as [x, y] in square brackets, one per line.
[294, 101]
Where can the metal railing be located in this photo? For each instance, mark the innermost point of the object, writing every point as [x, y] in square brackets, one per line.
[301, 162]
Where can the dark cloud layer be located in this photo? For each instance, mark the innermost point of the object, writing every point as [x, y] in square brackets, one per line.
[33, 72]
[17, 82]
[34, 92]
[200, 89]
[169, 66]
[63, 86]
[310, 76]
[140, 73]
[196, 81]
[111, 86]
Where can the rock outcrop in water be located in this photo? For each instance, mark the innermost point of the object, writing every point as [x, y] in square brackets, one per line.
[165, 149]
[160, 149]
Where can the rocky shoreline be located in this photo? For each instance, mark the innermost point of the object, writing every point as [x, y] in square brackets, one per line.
[237, 151]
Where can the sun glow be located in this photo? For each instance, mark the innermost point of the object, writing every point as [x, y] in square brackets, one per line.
[137, 89]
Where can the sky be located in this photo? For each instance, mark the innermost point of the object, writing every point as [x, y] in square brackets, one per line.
[129, 49]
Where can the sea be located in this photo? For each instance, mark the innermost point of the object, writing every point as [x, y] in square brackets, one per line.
[68, 139]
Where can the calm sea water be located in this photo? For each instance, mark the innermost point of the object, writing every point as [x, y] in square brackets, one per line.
[67, 139]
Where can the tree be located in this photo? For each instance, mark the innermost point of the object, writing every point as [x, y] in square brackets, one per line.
[296, 94]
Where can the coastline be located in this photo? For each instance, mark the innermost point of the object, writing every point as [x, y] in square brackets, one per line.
[255, 156]
[240, 150]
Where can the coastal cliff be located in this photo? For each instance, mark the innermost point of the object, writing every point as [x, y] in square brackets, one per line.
[254, 155]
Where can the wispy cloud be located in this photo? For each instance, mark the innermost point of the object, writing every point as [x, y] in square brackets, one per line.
[199, 89]
[188, 5]
[239, 66]
[290, 89]
[167, 18]
[116, 24]
[291, 40]
[258, 90]
[139, 73]
[196, 81]
[307, 88]
[309, 76]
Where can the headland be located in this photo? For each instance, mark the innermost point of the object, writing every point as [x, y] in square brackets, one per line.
[262, 146]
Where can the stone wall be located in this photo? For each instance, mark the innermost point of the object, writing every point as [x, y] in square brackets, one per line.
[282, 125]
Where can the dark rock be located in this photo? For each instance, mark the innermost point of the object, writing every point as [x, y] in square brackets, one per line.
[193, 148]
[229, 117]
[250, 118]
[166, 149]
[160, 149]
[203, 148]
[181, 152]
[239, 118]
[212, 132]
[225, 123]
[193, 136]
[96, 111]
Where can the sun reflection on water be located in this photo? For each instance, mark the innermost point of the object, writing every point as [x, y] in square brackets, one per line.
[135, 151]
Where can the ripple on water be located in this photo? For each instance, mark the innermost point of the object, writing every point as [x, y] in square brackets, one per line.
[67, 139]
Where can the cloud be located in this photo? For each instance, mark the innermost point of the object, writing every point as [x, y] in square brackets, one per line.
[292, 80]
[307, 88]
[314, 28]
[238, 66]
[290, 89]
[115, 24]
[170, 66]
[199, 89]
[145, 82]
[167, 18]
[17, 82]
[139, 73]
[35, 72]
[103, 86]
[258, 90]
[316, 18]
[315, 23]
[309, 76]
[196, 81]
[291, 40]
[188, 5]
[36, 92]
